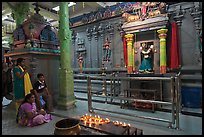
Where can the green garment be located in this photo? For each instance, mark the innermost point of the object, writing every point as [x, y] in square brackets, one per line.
[18, 84]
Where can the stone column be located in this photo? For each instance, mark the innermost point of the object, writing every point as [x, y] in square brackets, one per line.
[133, 54]
[19, 11]
[178, 18]
[162, 37]
[66, 98]
[74, 64]
[196, 13]
[95, 34]
[129, 39]
[89, 36]
[100, 32]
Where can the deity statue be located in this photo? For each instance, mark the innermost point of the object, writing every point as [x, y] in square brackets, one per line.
[144, 10]
[106, 50]
[80, 61]
[146, 65]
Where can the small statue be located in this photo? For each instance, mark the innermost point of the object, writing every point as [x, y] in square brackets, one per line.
[80, 61]
[107, 51]
[129, 18]
[146, 65]
[162, 7]
[143, 10]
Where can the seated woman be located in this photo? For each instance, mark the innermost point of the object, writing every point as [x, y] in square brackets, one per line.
[28, 115]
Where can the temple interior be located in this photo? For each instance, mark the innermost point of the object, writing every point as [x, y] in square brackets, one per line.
[121, 68]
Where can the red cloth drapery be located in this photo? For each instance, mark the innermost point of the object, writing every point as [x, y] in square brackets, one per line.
[125, 50]
[174, 49]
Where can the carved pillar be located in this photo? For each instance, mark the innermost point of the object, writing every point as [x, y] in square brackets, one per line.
[110, 30]
[20, 11]
[178, 18]
[95, 34]
[129, 39]
[162, 37]
[122, 33]
[133, 53]
[89, 34]
[100, 32]
[74, 48]
[66, 93]
[196, 13]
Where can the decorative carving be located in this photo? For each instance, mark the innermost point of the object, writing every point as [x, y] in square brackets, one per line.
[179, 16]
[48, 36]
[121, 31]
[145, 10]
[81, 46]
[89, 33]
[196, 13]
[91, 18]
[100, 29]
[85, 19]
[95, 33]
[98, 15]
[74, 35]
[110, 28]
[129, 18]
[118, 9]
[128, 7]
[106, 50]
[162, 7]
[107, 13]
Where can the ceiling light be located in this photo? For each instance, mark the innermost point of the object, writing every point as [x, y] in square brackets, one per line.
[6, 16]
[69, 5]
[5, 42]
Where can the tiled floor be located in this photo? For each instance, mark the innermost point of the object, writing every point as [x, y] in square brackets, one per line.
[189, 125]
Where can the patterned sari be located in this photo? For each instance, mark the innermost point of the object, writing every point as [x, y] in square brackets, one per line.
[38, 119]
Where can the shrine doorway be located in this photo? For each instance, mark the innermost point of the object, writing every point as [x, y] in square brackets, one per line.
[149, 38]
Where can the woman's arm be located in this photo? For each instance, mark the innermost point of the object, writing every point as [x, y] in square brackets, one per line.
[31, 115]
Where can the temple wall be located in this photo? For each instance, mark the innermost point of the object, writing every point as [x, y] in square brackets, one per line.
[93, 53]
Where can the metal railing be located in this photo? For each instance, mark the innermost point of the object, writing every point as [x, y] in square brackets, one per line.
[175, 95]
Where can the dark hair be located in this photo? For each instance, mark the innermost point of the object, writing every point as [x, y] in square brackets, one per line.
[19, 60]
[39, 75]
[27, 97]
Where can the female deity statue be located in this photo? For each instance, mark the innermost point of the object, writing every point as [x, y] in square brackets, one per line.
[146, 65]
[80, 61]
[106, 51]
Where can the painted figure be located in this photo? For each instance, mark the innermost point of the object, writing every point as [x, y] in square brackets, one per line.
[106, 51]
[80, 61]
[146, 65]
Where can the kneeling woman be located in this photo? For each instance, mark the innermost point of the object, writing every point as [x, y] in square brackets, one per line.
[28, 115]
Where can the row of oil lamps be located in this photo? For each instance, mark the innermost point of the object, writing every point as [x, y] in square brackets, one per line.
[97, 120]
